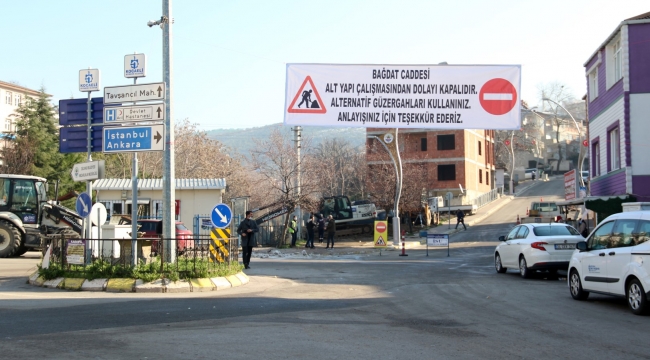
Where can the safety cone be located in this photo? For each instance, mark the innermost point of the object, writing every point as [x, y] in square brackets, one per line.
[518, 221]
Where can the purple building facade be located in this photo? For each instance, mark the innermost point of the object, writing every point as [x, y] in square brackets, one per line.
[618, 98]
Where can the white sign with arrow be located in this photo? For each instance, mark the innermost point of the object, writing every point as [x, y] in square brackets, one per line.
[133, 93]
[134, 113]
[91, 170]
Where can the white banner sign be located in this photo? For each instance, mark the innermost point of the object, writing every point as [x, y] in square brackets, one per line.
[404, 96]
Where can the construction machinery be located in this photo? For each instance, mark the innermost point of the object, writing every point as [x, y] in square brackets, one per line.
[350, 219]
[27, 219]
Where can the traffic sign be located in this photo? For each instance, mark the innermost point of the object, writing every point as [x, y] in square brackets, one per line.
[585, 143]
[98, 213]
[134, 113]
[134, 138]
[74, 139]
[89, 80]
[507, 142]
[381, 237]
[449, 196]
[380, 226]
[92, 170]
[498, 96]
[135, 66]
[132, 93]
[84, 204]
[221, 216]
[75, 111]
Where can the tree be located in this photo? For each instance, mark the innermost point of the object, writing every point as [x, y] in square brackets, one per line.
[35, 150]
[343, 168]
[275, 160]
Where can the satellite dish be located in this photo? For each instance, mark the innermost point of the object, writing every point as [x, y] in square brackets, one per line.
[461, 189]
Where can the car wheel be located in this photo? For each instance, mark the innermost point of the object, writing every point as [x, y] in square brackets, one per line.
[523, 268]
[497, 264]
[575, 286]
[636, 298]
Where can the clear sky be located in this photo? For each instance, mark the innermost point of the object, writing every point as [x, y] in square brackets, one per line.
[229, 57]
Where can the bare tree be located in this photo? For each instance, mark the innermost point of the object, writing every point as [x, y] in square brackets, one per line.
[343, 168]
[275, 160]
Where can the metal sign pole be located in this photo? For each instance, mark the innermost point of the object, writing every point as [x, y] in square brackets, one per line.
[134, 205]
[169, 180]
[89, 184]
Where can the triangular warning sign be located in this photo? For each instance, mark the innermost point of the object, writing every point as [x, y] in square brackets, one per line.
[307, 100]
[380, 241]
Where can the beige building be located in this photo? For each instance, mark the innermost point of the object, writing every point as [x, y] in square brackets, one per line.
[11, 96]
[193, 196]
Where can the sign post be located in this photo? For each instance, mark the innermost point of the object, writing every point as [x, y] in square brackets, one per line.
[89, 81]
[381, 235]
[438, 240]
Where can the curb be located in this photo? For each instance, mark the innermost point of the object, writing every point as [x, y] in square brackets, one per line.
[135, 285]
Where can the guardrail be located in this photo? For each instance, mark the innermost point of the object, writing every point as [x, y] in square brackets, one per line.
[488, 197]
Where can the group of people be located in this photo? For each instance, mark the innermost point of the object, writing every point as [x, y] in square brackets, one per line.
[315, 222]
[248, 227]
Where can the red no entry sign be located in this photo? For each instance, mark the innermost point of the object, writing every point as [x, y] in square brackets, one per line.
[585, 143]
[507, 142]
[498, 96]
[380, 227]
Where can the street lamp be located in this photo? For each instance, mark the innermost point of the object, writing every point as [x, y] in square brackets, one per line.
[582, 183]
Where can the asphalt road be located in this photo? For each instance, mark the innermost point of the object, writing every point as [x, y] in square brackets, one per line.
[360, 307]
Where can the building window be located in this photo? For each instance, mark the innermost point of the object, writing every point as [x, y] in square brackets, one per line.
[618, 63]
[593, 84]
[595, 162]
[446, 172]
[17, 99]
[423, 144]
[614, 62]
[446, 142]
[8, 97]
[613, 149]
[479, 148]
[480, 176]
[487, 178]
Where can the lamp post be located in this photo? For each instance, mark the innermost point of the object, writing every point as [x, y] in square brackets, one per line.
[579, 139]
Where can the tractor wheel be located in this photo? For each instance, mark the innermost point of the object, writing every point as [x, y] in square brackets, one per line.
[10, 239]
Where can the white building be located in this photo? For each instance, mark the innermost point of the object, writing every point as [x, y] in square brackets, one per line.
[11, 96]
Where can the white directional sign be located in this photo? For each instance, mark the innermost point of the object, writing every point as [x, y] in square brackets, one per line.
[132, 93]
[89, 80]
[135, 66]
[134, 138]
[134, 113]
[92, 170]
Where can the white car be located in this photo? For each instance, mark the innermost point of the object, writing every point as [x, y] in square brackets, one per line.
[615, 260]
[536, 246]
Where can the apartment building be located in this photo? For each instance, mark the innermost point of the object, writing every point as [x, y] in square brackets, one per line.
[11, 96]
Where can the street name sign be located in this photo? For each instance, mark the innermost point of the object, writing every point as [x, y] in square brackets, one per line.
[89, 80]
[133, 93]
[91, 170]
[134, 113]
[134, 138]
[135, 66]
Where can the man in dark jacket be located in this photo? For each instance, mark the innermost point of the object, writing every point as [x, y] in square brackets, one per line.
[321, 228]
[310, 232]
[460, 218]
[247, 230]
[331, 231]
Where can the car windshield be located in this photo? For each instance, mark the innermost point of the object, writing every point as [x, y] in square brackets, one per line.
[181, 227]
[554, 230]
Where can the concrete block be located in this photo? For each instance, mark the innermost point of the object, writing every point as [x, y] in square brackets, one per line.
[72, 283]
[177, 286]
[53, 284]
[233, 280]
[94, 285]
[221, 283]
[200, 285]
[156, 286]
[120, 285]
[33, 278]
[242, 277]
[40, 281]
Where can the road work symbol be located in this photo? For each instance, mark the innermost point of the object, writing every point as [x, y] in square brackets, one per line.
[380, 241]
[311, 105]
[498, 96]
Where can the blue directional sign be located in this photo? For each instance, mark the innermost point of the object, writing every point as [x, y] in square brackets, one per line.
[75, 139]
[84, 204]
[134, 138]
[74, 111]
[221, 216]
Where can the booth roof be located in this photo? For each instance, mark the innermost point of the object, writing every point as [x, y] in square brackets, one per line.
[157, 184]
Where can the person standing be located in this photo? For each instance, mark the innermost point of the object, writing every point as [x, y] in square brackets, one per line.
[460, 218]
[583, 228]
[310, 232]
[331, 231]
[321, 228]
[247, 230]
[293, 231]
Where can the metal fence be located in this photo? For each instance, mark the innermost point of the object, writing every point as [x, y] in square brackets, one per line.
[113, 257]
[488, 197]
[270, 233]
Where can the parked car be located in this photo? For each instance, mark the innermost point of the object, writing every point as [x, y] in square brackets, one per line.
[534, 246]
[184, 235]
[615, 260]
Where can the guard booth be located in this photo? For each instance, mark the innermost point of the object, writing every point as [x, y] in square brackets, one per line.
[193, 196]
